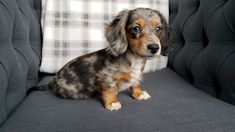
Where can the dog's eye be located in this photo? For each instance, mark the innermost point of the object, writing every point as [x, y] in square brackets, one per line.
[135, 29]
[158, 29]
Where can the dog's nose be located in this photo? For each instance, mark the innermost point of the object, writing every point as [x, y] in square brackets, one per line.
[153, 48]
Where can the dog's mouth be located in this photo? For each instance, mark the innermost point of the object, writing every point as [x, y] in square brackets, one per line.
[153, 50]
[146, 52]
[148, 56]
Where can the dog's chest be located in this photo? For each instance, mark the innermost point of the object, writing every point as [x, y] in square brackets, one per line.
[135, 74]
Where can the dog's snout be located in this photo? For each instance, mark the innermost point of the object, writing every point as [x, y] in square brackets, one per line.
[153, 48]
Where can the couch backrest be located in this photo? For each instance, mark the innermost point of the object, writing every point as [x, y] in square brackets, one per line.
[20, 51]
[203, 49]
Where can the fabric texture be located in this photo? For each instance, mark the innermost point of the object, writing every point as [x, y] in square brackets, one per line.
[20, 52]
[72, 28]
[174, 106]
[203, 51]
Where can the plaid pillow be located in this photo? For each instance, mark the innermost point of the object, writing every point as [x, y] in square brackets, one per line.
[73, 28]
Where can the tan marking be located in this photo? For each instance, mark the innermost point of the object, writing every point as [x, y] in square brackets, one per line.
[140, 22]
[122, 76]
[138, 45]
[155, 22]
[136, 91]
[109, 97]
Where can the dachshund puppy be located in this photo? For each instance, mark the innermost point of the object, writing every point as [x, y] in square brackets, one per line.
[134, 36]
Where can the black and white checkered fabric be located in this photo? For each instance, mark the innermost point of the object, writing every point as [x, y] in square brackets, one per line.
[72, 28]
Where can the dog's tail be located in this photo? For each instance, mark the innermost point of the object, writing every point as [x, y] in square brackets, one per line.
[39, 88]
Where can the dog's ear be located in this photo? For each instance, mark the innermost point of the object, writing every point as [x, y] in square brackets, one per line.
[165, 36]
[116, 35]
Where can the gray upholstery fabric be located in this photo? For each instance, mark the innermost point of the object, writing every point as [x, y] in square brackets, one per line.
[20, 52]
[203, 52]
[175, 106]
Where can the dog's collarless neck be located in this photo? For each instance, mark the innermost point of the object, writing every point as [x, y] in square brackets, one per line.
[135, 61]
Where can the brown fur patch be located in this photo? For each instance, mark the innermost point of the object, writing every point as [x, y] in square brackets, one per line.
[136, 90]
[155, 22]
[137, 45]
[109, 97]
[122, 76]
[140, 22]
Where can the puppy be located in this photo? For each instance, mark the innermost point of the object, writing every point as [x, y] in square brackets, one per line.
[134, 36]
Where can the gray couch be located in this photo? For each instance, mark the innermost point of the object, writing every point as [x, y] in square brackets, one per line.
[196, 92]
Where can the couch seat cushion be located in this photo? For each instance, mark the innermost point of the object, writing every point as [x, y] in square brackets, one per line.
[175, 106]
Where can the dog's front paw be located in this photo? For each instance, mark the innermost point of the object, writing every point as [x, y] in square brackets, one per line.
[143, 96]
[114, 106]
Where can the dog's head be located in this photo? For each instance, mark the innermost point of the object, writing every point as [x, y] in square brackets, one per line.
[140, 30]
